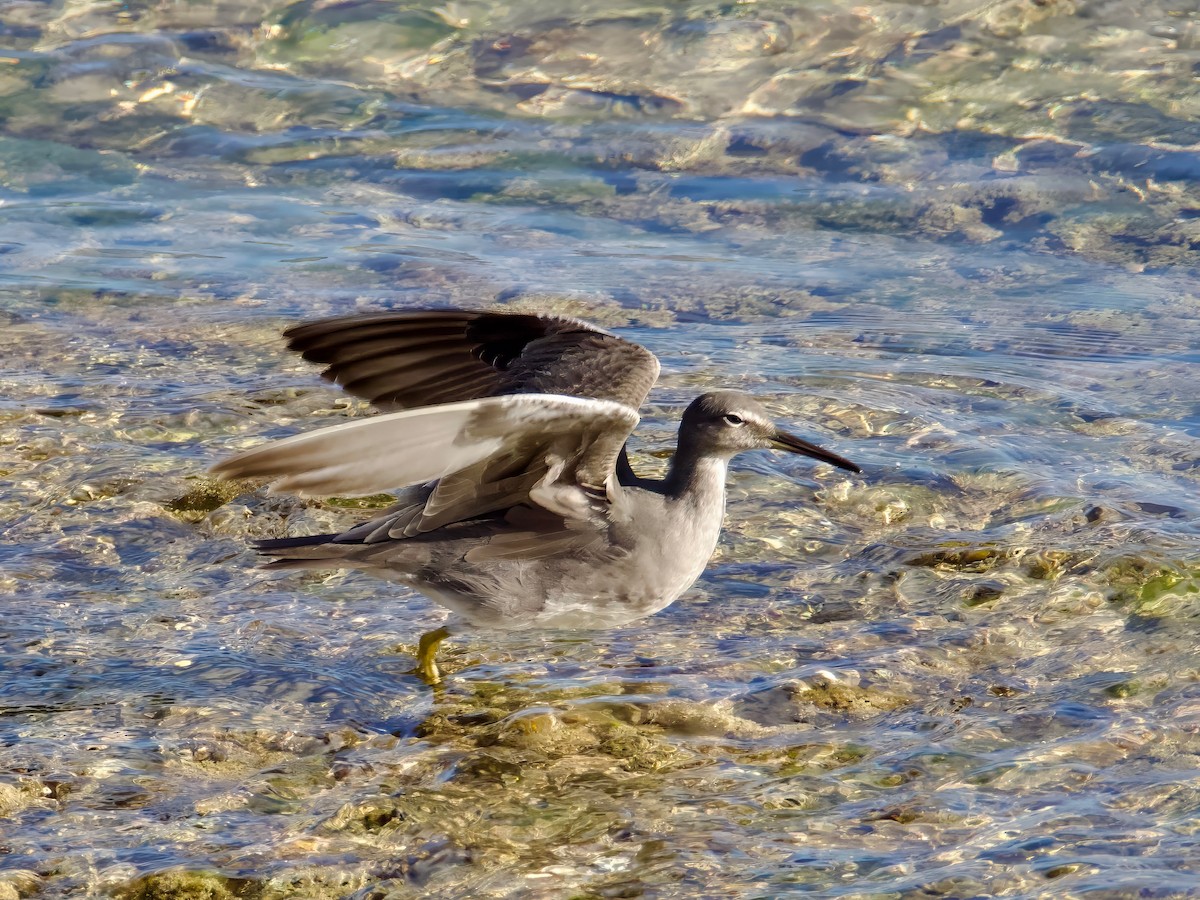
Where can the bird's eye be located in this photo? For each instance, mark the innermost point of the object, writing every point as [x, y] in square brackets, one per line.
[735, 420]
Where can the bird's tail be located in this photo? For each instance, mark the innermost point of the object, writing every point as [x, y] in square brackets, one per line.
[316, 551]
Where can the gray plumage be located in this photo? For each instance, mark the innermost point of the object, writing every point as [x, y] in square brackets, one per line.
[521, 509]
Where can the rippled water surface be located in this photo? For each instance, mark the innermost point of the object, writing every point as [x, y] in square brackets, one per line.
[953, 241]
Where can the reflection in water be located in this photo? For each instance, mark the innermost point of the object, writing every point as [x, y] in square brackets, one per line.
[957, 238]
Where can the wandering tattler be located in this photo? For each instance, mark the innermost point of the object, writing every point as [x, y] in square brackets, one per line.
[508, 431]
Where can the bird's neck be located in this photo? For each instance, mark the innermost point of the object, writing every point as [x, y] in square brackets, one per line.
[697, 477]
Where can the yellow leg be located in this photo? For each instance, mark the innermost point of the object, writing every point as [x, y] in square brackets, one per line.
[426, 651]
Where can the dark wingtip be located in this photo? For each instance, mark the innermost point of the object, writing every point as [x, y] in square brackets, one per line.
[274, 545]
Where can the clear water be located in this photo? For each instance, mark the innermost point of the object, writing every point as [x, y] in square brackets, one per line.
[953, 242]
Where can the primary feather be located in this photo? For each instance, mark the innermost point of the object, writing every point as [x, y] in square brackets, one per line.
[500, 441]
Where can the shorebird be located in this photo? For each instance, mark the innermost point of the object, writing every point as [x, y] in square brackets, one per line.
[507, 432]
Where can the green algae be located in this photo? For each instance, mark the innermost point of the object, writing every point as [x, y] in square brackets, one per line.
[41, 166]
[963, 557]
[818, 700]
[203, 497]
[1169, 594]
[854, 701]
[16, 798]
[310, 33]
[630, 737]
[179, 884]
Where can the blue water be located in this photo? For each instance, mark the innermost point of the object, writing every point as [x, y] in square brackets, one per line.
[968, 672]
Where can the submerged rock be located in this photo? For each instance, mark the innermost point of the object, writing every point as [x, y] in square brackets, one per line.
[178, 884]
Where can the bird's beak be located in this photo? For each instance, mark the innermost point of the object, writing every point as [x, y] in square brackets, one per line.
[781, 440]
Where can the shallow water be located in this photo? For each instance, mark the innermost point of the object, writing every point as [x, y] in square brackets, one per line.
[954, 243]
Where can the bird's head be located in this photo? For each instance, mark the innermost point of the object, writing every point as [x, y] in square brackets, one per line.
[724, 423]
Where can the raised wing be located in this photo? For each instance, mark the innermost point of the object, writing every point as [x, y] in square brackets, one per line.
[417, 358]
[489, 454]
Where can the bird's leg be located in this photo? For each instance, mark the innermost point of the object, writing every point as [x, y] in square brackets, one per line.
[426, 651]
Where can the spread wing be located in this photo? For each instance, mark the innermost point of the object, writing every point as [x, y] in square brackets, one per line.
[504, 410]
[493, 453]
[416, 358]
